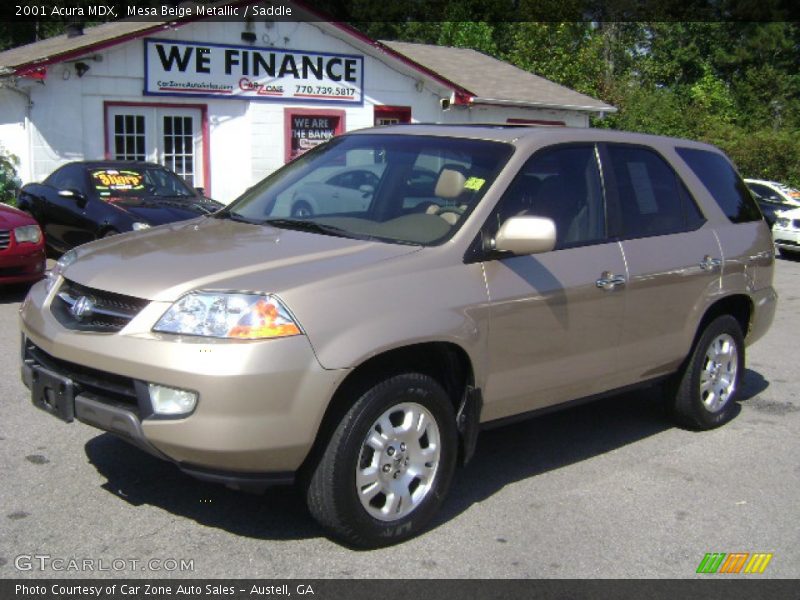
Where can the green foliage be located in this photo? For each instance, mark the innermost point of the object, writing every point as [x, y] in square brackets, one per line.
[733, 84]
[9, 182]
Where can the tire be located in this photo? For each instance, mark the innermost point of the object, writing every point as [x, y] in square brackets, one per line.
[109, 233]
[705, 391]
[302, 210]
[365, 489]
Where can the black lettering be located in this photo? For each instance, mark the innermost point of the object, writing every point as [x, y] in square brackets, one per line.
[231, 60]
[259, 62]
[308, 65]
[202, 60]
[329, 69]
[288, 66]
[350, 70]
[174, 57]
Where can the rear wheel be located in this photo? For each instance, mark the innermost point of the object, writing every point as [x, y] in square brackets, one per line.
[706, 390]
[388, 465]
[109, 233]
[302, 210]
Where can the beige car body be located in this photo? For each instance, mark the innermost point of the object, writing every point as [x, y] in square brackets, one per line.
[528, 332]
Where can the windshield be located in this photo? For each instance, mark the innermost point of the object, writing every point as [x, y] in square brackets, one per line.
[394, 188]
[132, 182]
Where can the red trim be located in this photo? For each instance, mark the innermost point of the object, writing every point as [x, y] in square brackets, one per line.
[536, 122]
[101, 45]
[288, 113]
[204, 127]
[462, 94]
[403, 113]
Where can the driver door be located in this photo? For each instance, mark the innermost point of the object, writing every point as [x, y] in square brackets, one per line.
[554, 332]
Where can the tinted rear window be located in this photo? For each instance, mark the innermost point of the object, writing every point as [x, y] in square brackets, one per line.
[723, 183]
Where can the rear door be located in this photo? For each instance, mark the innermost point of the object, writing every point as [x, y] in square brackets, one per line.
[553, 331]
[672, 255]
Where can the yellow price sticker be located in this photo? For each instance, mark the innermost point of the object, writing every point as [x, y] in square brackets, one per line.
[474, 183]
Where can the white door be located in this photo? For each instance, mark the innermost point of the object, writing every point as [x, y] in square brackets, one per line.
[169, 136]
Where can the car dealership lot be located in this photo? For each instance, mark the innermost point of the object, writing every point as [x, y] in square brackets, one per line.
[610, 489]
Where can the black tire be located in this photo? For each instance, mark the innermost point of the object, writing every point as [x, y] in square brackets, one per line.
[302, 210]
[331, 491]
[694, 408]
[109, 233]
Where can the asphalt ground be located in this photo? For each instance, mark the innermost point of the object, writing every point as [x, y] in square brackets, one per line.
[607, 490]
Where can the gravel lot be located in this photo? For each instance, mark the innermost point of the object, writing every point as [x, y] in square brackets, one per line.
[606, 490]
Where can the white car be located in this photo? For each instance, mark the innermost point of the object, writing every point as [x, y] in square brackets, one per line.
[786, 232]
[347, 190]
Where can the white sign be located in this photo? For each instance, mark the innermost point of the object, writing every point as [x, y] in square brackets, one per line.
[221, 71]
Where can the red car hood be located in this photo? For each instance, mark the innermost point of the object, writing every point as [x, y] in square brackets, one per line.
[10, 217]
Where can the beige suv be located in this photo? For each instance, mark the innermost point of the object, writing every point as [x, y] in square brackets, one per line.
[444, 278]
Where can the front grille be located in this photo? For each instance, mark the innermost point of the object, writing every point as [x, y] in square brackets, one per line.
[106, 386]
[86, 309]
[5, 238]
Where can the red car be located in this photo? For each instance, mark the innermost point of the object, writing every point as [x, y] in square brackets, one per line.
[22, 256]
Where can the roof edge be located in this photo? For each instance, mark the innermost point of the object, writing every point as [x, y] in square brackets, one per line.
[607, 108]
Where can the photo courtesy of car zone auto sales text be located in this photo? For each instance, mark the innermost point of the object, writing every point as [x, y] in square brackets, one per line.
[333, 300]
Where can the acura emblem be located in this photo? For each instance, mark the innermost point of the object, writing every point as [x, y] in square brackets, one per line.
[83, 307]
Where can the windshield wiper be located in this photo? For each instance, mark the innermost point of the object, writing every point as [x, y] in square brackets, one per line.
[313, 227]
[228, 214]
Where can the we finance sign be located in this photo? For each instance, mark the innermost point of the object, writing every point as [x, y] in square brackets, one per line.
[213, 70]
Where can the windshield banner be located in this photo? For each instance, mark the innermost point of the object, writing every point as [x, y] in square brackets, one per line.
[195, 69]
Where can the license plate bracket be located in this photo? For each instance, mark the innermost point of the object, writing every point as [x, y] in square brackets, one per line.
[53, 393]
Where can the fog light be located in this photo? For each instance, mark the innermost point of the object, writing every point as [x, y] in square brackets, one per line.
[170, 401]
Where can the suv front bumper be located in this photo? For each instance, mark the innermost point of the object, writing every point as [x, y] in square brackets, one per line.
[259, 404]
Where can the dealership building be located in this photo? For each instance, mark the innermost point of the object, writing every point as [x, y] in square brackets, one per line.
[224, 103]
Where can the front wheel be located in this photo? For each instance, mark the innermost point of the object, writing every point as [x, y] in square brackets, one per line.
[706, 390]
[388, 465]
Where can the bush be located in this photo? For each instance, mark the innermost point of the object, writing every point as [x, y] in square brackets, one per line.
[9, 182]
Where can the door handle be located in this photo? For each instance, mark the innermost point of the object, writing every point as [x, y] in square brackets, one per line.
[608, 281]
[709, 264]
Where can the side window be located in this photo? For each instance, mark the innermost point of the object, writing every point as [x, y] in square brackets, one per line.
[652, 199]
[564, 185]
[723, 183]
[69, 177]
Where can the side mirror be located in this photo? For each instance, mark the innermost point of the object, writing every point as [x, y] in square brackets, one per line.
[201, 190]
[72, 193]
[366, 190]
[526, 235]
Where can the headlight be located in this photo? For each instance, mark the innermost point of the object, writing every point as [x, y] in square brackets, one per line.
[783, 223]
[65, 261]
[28, 233]
[138, 226]
[228, 315]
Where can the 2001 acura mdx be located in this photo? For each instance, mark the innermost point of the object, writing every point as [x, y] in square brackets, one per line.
[489, 273]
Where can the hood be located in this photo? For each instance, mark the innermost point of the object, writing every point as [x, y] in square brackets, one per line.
[157, 211]
[208, 253]
[11, 217]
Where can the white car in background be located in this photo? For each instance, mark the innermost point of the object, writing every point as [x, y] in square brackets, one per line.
[775, 191]
[786, 232]
[347, 190]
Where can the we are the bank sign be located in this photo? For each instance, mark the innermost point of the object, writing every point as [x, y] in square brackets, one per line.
[213, 70]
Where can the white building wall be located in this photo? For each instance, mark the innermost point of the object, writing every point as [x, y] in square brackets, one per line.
[246, 138]
[14, 128]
